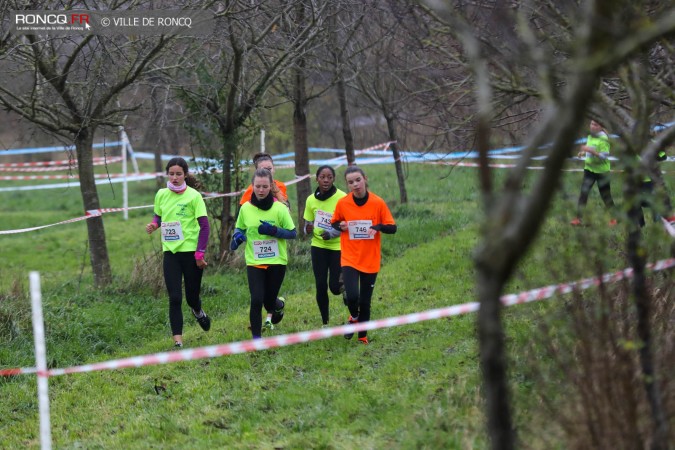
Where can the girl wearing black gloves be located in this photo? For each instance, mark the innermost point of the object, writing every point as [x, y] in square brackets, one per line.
[264, 224]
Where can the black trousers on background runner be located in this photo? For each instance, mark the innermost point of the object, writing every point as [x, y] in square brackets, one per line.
[179, 266]
[645, 200]
[264, 285]
[326, 267]
[359, 288]
[590, 178]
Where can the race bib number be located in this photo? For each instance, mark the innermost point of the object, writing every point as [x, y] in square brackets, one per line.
[358, 229]
[322, 220]
[265, 249]
[172, 231]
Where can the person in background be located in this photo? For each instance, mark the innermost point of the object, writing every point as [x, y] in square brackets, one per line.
[264, 224]
[264, 161]
[325, 247]
[361, 217]
[647, 199]
[667, 203]
[596, 169]
[180, 213]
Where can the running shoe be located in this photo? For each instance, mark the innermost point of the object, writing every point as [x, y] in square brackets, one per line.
[612, 222]
[278, 314]
[268, 325]
[576, 222]
[177, 344]
[364, 340]
[350, 321]
[204, 321]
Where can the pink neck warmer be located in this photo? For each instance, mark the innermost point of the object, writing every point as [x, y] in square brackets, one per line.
[177, 189]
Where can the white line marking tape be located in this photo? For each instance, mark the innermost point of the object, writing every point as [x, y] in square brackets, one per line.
[324, 333]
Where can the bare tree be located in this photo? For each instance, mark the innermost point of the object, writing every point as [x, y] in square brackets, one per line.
[514, 49]
[254, 46]
[343, 26]
[382, 79]
[639, 97]
[70, 86]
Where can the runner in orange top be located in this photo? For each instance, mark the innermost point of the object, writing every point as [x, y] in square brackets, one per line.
[264, 161]
[361, 216]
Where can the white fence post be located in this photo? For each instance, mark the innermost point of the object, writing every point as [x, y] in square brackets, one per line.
[125, 187]
[40, 361]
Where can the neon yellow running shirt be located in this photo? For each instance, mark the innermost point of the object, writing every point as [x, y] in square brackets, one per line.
[601, 143]
[179, 213]
[320, 213]
[262, 249]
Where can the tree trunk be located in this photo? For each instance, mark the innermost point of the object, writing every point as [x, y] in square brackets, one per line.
[346, 123]
[226, 216]
[490, 281]
[643, 308]
[493, 360]
[158, 166]
[98, 249]
[391, 126]
[304, 187]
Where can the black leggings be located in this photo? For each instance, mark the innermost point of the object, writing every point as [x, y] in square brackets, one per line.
[326, 267]
[359, 294]
[264, 285]
[590, 178]
[645, 200]
[179, 266]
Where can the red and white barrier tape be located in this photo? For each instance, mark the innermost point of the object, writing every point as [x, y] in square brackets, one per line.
[54, 167]
[25, 230]
[74, 176]
[510, 166]
[339, 160]
[98, 212]
[495, 166]
[669, 227]
[64, 162]
[383, 146]
[324, 333]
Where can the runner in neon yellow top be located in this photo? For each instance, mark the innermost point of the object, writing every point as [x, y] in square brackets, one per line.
[325, 248]
[596, 169]
[264, 224]
[597, 151]
[261, 248]
[180, 213]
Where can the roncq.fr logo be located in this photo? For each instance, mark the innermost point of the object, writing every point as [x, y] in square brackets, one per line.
[52, 19]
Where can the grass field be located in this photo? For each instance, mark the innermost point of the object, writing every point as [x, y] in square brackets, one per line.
[415, 386]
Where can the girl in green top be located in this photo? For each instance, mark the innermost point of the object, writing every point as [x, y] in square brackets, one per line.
[596, 169]
[180, 212]
[264, 224]
[325, 239]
